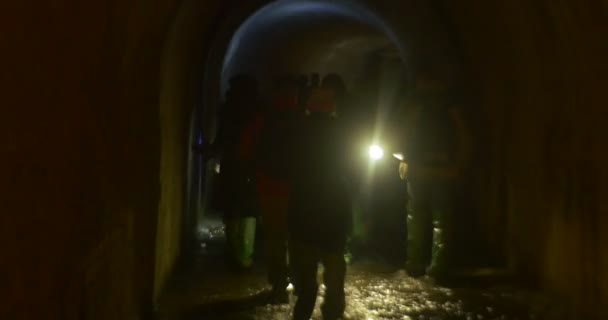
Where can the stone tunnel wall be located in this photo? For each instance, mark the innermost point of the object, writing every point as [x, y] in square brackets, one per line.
[182, 74]
[541, 69]
[81, 137]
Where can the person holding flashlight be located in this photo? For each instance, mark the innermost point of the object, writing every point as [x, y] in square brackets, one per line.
[437, 152]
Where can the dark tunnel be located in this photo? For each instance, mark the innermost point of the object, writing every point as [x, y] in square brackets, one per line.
[112, 111]
[323, 38]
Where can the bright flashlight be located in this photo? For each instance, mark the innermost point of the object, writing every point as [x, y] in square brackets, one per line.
[398, 156]
[375, 152]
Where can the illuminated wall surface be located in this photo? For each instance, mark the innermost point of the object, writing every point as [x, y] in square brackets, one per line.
[314, 36]
[97, 106]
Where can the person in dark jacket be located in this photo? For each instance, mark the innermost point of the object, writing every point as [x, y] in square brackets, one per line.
[439, 146]
[319, 219]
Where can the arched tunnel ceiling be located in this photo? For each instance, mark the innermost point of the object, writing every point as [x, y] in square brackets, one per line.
[309, 36]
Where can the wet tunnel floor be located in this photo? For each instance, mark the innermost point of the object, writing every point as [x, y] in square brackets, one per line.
[207, 290]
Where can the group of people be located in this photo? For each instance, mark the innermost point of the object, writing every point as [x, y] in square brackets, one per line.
[285, 161]
[282, 157]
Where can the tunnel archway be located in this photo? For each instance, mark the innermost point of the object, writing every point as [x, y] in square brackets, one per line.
[356, 42]
[297, 19]
[212, 62]
[200, 66]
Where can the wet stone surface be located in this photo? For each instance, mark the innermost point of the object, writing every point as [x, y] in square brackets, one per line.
[208, 290]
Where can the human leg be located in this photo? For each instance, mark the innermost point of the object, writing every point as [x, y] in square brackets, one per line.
[304, 262]
[419, 228]
[442, 211]
[333, 277]
[274, 210]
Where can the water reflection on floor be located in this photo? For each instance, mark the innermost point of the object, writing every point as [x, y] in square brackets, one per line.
[206, 289]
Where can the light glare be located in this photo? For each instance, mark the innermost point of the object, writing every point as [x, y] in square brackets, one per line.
[375, 152]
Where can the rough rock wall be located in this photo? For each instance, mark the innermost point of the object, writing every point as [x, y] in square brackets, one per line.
[541, 70]
[182, 75]
[81, 148]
